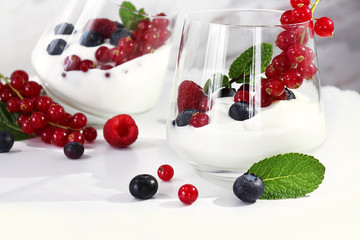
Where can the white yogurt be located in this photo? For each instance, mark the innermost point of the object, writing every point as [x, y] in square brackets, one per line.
[133, 87]
[225, 144]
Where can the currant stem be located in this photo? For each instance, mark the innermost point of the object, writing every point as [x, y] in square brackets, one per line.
[64, 127]
[8, 83]
[314, 6]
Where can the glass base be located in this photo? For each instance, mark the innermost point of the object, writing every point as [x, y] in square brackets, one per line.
[218, 174]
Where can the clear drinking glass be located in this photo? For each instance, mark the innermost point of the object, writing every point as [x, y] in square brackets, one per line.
[246, 88]
[106, 57]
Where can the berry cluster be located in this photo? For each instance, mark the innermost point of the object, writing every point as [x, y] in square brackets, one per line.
[39, 115]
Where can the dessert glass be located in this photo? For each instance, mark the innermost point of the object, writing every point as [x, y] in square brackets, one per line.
[125, 78]
[260, 125]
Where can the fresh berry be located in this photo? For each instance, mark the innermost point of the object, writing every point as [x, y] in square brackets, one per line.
[22, 117]
[152, 37]
[249, 187]
[265, 98]
[89, 134]
[307, 69]
[59, 137]
[17, 83]
[43, 103]
[143, 25]
[87, 64]
[6, 141]
[281, 63]
[27, 128]
[242, 96]
[226, 92]
[165, 172]
[299, 3]
[143, 186]
[64, 29]
[119, 25]
[6, 94]
[46, 134]
[289, 94]
[106, 67]
[13, 105]
[103, 26]
[76, 137]
[285, 39]
[72, 63]
[183, 117]
[55, 113]
[102, 54]
[145, 48]
[78, 121]
[270, 71]
[38, 120]
[189, 95]
[240, 111]
[117, 55]
[91, 39]
[73, 150]
[126, 44]
[274, 87]
[301, 14]
[199, 120]
[120, 131]
[292, 79]
[20, 73]
[56, 46]
[31, 89]
[118, 34]
[296, 53]
[286, 17]
[324, 27]
[188, 194]
[160, 22]
[26, 105]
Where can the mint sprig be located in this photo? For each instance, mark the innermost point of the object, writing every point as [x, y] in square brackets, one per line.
[289, 175]
[240, 69]
[215, 82]
[130, 16]
[8, 123]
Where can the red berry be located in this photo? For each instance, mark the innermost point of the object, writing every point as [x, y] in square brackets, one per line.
[286, 17]
[55, 113]
[42, 103]
[46, 134]
[120, 131]
[6, 95]
[324, 27]
[189, 95]
[31, 89]
[2, 87]
[299, 3]
[165, 172]
[65, 120]
[22, 117]
[59, 137]
[164, 35]
[281, 63]
[301, 34]
[117, 55]
[102, 54]
[127, 44]
[281, 97]
[296, 53]
[17, 82]
[307, 69]
[38, 120]
[87, 64]
[145, 48]
[76, 137]
[205, 105]
[152, 37]
[20, 73]
[293, 79]
[270, 71]
[199, 120]
[143, 25]
[274, 87]
[13, 105]
[160, 22]
[242, 96]
[309, 54]
[26, 105]
[301, 14]
[27, 128]
[72, 63]
[188, 194]
[106, 67]
[265, 98]
[78, 121]
[89, 134]
[285, 39]
[103, 26]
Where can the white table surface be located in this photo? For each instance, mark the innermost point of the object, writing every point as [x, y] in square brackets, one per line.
[43, 195]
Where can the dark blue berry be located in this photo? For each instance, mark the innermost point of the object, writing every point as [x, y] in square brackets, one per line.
[119, 25]
[6, 141]
[118, 34]
[249, 187]
[289, 94]
[91, 39]
[74, 150]
[143, 186]
[241, 111]
[183, 117]
[226, 92]
[56, 46]
[64, 29]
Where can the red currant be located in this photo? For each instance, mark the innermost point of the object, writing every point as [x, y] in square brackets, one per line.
[145, 48]
[199, 120]
[13, 105]
[281, 63]
[38, 120]
[42, 103]
[117, 55]
[20, 73]
[31, 89]
[143, 25]
[46, 134]
[309, 54]
[270, 71]
[160, 23]
[78, 121]
[127, 44]
[301, 14]
[165, 172]
[2, 87]
[65, 120]
[22, 117]
[286, 17]
[307, 69]
[296, 53]
[87, 64]
[299, 3]
[27, 128]
[102, 54]
[293, 79]
[324, 27]
[188, 194]
[72, 63]
[106, 67]
[59, 137]
[76, 137]
[55, 113]
[89, 133]
[275, 87]
[152, 37]
[242, 96]
[17, 82]
[285, 39]
[164, 35]
[6, 95]
[265, 99]
[26, 105]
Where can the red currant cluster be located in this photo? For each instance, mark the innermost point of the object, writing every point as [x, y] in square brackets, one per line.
[40, 115]
[295, 62]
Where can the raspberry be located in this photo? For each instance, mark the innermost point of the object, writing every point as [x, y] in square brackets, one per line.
[120, 131]
[103, 26]
[189, 95]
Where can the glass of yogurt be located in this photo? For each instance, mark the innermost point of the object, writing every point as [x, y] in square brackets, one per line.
[246, 88]
[106, 57]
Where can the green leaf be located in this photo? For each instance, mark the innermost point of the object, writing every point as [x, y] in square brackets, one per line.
[212, 85]
[289, 175]
[130, 16]
[8, 123]
[242, 65]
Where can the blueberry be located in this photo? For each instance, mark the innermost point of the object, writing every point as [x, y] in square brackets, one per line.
[289, 94]
[64, 29]
[91, 39]
[143, 186]
[56, 46]
[226, 92]
[119, 25]
[74, 150]
[241, 111]
[6, 141]
[118, 34]
[248, 187]
[183, 117]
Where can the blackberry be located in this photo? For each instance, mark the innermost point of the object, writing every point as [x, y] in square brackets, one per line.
[64, 29]
[183, 117]
[118, 34]
[143, 186]
[226, 92]
[91, 39]
[249, 187]
[6, 141]
[73, 150]
[56, 46]
[289, 94]
[241, 111]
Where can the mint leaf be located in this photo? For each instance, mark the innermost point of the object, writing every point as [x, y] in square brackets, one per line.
[241, 67]
[289, 175]
[212, 84]
[130, 16]
[8, 123]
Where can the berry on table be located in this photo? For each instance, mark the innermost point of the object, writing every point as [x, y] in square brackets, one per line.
[89, 134]
[59, 137]
[143, 186]
[248, 187]
[188, 194]
[38, 120]
[324, 27]
[199, 120]
[120, 131]
[73, 150]
[56, 46]
[165, 172]
[6, 141]
[76, 137]
[55, 113]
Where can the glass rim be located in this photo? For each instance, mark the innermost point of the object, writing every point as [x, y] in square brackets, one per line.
[191, 17]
